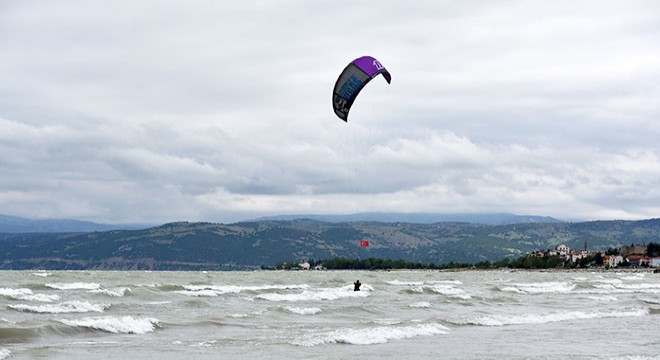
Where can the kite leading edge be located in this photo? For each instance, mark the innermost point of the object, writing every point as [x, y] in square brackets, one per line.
[354, 77]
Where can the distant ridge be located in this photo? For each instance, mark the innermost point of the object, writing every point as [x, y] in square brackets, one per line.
[251, 245]
[420, 218]
[19, 225]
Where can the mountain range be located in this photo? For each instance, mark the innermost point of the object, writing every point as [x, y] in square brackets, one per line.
[263, 243]
[422, 218]
[14, 224]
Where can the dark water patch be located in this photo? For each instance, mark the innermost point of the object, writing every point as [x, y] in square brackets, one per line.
[169, 287]
[654, 311]
[9, 335]
[36, 286]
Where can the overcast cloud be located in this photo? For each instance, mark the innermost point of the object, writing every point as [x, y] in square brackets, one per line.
[155, 111]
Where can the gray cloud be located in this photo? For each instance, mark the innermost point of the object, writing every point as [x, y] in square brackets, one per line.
[159, 111]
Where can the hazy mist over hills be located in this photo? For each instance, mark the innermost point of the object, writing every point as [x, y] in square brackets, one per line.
[14, 224]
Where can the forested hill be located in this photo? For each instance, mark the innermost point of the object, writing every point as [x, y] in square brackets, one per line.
[195, 246]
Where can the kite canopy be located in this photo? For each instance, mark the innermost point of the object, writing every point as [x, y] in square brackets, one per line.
[354, 77]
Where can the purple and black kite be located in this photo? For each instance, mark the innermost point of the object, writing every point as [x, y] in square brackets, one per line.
[354, 77]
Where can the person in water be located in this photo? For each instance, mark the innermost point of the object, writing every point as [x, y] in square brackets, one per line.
[356, 285]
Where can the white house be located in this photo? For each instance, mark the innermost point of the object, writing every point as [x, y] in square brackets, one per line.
[655, 262]
[613, 260]
[563, 250]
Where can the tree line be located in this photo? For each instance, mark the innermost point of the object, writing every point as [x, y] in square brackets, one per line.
[524, 262]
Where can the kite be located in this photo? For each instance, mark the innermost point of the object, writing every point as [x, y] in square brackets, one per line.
[354, 77]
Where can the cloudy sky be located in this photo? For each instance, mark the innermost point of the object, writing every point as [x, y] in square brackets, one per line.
[156, 111]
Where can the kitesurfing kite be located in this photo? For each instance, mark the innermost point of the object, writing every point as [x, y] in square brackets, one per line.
[354, 77]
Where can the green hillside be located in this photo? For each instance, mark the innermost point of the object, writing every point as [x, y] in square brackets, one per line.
[195, 246]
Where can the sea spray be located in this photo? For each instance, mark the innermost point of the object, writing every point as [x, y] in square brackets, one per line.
[61, 308]
[116, 324]
[371, 335]
[544, 318]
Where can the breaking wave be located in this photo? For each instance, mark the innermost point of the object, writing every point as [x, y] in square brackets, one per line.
[27, 295]
[369, 336]
[302, 311]
[61, 308]
[527, 319]
[318, 294]
[217, 290]
[118, 292]
[421, 304]
[539, 288]
[74, 286]
[116, 324]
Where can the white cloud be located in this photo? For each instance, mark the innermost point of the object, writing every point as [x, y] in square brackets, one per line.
[159, 111]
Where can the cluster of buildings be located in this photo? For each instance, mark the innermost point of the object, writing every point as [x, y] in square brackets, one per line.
[630, 256]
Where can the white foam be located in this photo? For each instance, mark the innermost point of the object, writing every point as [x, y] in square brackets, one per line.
[116, 324]
[198, 293]
[302, 311]
[4, 353]
[118, 292]
[217, 290]
[603, 298]
[74, 286]
[64, 307]
[42, 274]
[638, 276]
[625, 288]
[449, 290]
[609, 281]
[452, 282]
[369, 336]
[409, 283]
[318, 294]
[540, 288]
[525, 319]
[421, 304]
[27, 295]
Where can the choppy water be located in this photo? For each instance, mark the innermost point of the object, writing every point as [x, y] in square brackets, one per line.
[316, 315]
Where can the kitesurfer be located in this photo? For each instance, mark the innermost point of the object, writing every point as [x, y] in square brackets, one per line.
[356, 285]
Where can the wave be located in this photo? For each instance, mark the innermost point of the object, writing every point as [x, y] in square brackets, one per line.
[370, 336]
[302, 311]
[116, 324]
[651, 301]
[623, 288]
[217, 290]
[61, 308]
[244, 315]
[118, 292]
[449, 290]
[16, 335]
[198, 293]
[27, 295]
[42, 274]
[539, 288]
[4, 353]
[74, 286]
[421, 304]
[528, 319]
[409, 283]
[638, 276]
[318, 294]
